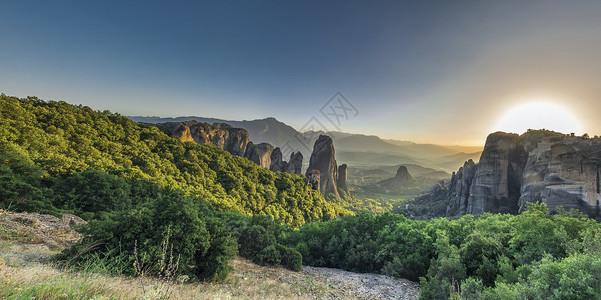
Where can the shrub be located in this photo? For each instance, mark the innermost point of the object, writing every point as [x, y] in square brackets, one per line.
[202, 244]
[268, 256]
[92, 191]
[291, 258]
[253, 240]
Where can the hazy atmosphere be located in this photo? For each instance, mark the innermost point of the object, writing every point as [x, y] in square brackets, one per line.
[448, 72]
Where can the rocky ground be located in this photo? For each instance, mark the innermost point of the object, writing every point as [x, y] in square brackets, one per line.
[371, 286]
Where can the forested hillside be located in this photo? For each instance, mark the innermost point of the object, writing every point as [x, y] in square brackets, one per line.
[57, 141]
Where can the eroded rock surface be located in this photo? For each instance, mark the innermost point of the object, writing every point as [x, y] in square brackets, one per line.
[323, 160]
[235, 141]
[224, 136]
[537, 166]
[341, 180]
[295, 163]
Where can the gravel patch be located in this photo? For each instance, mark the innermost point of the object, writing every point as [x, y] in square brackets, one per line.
[365, 285]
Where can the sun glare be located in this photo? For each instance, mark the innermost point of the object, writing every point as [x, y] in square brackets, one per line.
[538, 115]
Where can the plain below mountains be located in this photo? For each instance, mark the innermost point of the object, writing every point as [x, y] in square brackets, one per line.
[357, 150]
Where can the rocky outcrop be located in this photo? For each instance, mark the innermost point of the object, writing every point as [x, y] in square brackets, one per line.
[538, 166]
[496, 183]
[295, 163]
[323, 160]
[459, 188]
[313, 178]
[341, 180]
[235, 141]
[232, 140]
[293, 166]
[260, 154]
[277, 164]
[397, 183]
[564, 174]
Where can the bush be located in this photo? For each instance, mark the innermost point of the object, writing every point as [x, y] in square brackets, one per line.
[291, 258]
[268, 256]
[223, 248]
[203, 246]
[253, 240]
[92, 191]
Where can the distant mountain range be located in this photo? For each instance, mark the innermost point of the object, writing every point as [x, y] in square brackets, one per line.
[353, 149]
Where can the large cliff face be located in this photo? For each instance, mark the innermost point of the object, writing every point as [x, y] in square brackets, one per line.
[564, 174]
[538, 166]
[235, 141]
[459, 188]
[295, 163]
[496, 183]
[232, 140]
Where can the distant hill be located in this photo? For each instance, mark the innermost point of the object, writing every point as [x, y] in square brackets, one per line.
[432, 149]
[373, 174]
[371, 159]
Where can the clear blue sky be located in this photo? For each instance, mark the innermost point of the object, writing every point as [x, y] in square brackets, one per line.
[438, 71]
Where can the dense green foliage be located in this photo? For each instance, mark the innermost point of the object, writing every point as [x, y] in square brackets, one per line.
[62, 139]
[145, 194]
[488, 254]
[171, 225]
[257, 240]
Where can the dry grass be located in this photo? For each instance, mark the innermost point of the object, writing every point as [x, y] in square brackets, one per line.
[23, 278]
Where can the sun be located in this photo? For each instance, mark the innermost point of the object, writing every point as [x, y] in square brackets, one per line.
[538, 115]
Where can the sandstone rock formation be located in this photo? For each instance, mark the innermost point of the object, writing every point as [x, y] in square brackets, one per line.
[277, 164]
[398, 182]
[496, 183]
[295, 163]
[235, 141]
[459, 188]
[293, 166]
[232, 140]
[341, 180]
[538, 166]
[313, 179]
[564, 174]
[323, 160]
[260, 154]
